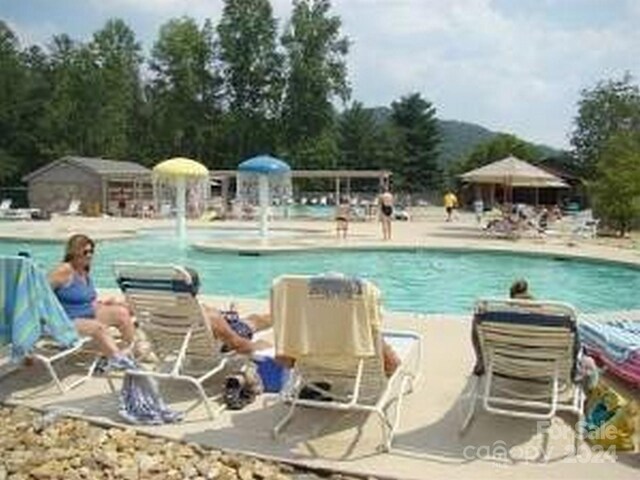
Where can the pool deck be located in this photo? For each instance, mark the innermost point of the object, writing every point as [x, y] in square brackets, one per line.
[427, 444]
[427, 230]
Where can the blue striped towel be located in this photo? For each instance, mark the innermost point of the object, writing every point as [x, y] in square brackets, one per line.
[335, 286]
[618, 338]
[30, 308]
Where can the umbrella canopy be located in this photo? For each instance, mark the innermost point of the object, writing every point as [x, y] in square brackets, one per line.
[514, 172]
[180, 168]
[264, 164]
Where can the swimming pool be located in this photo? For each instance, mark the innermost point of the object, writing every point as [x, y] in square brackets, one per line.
[411, 280]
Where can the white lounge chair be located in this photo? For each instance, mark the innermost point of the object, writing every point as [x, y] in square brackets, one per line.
[163, 298]
[5, 205]
[585, 225]
[34, 324]
[529, 350]
[73, 209]
[340, 364]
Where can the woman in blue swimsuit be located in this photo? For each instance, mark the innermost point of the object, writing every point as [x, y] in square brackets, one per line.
[74, 288]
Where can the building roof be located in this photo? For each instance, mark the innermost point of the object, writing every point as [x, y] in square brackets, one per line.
[515, 172]
[99, 166]
[316, 173]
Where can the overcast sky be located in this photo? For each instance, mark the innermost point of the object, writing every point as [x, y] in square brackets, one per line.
[510, 65]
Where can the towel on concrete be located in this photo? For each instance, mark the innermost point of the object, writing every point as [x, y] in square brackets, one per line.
[618, 339]
[30, 309]
[141, 402]
[335, 316]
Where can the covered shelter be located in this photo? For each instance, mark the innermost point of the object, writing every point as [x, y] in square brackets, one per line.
[97, 183]
[515, 180]
[341, 179]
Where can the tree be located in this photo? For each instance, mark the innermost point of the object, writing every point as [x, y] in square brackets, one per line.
[617, 188]
[316, 71]
[358, 135]
[117, 57]
[414, 119]
[611, 107]
[252, 70]
[184, 91]
[12, 77]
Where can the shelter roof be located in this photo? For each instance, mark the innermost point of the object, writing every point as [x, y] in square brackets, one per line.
[99, 166]
[515, 172]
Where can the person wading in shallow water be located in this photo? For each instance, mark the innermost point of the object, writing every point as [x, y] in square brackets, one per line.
[385, 202]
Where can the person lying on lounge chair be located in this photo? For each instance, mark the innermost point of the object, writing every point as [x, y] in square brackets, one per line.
[235, 332]
[389, 357]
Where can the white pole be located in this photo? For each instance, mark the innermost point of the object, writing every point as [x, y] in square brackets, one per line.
[181, 223]
[263, 196]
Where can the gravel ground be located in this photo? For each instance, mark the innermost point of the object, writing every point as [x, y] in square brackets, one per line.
[37, 446]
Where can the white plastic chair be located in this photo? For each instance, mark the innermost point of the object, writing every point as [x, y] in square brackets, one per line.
[357, 383]
[585, 225]
[163, 298]
[530, 353]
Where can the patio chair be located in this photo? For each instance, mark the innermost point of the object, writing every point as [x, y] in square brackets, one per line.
[529, 350]
[330, 326]
[73, 209]
[163, 298]
[585, 225]
[5, 205]
[33, 324]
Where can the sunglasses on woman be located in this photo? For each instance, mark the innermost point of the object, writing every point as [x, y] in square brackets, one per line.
[87, 251]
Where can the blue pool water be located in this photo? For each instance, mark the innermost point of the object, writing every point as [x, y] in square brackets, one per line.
[418, 281]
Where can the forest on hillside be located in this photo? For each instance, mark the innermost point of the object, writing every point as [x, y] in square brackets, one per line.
[247, 85]
[217, 93]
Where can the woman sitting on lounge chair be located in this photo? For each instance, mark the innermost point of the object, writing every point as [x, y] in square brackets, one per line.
[72, 284]
[519, 290]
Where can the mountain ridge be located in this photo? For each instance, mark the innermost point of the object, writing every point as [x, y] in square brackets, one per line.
[459, 137]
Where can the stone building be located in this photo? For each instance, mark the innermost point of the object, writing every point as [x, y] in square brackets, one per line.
[98, 184]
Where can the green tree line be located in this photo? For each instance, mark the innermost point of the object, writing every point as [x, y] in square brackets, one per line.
[217, 93]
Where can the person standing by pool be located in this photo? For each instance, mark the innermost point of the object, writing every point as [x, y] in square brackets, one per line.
[385, 202]
[122, 202]
[478, 208]
[450, 202]
[72, 284]
[342, 218]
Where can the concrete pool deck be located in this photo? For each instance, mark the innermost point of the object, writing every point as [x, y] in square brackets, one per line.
[427, 230]
[427, 444]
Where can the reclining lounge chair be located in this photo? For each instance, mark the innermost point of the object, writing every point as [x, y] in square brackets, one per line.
[529, 350]
[163, 298]
[330, 327]
[33, 324]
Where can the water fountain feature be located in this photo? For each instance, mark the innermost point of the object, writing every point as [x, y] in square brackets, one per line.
[180, 174]
[262, 179]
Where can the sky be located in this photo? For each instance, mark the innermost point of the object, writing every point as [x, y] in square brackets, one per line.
[514, 66]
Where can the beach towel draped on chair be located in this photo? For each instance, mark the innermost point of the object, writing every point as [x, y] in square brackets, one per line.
[31, 311]
[331, 327]
[30, 308]
[615, 344]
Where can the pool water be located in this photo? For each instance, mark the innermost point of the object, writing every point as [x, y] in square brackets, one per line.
[424, 281]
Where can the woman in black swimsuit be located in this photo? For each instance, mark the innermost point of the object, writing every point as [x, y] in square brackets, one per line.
[386, 210]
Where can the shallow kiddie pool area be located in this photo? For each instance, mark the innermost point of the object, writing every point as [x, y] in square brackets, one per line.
[417, 280]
